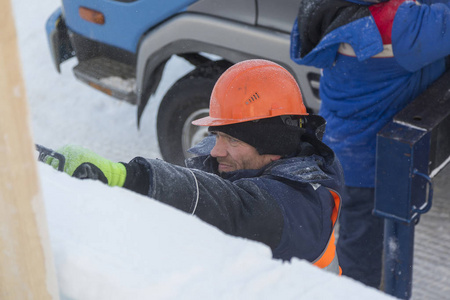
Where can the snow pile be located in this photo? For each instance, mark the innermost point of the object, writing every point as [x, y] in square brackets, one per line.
[110, 243]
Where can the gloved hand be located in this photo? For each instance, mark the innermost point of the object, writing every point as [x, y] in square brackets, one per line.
[84, 163]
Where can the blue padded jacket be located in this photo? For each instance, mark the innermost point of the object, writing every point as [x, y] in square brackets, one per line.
[286, 205]
[375, 60]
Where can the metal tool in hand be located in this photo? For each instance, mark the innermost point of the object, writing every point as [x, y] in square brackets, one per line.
[44, 152]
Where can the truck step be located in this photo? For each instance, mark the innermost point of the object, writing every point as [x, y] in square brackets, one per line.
[109, 76]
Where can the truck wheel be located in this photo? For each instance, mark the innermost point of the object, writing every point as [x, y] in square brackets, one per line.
[186, 101]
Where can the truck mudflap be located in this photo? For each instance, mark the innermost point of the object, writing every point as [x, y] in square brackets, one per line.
[58, 38]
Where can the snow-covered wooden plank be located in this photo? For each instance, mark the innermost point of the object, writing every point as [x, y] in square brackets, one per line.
[26, 264]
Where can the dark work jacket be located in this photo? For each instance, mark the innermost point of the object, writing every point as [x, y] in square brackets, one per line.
[375, 60]
[285, 205]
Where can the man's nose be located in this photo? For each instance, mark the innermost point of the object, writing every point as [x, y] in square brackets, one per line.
[219, 149]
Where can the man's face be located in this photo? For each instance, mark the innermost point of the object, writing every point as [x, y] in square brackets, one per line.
[233, 154]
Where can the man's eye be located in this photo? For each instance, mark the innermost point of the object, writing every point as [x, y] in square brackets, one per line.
[233, 141]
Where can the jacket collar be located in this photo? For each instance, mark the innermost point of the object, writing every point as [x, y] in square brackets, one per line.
[362, 34]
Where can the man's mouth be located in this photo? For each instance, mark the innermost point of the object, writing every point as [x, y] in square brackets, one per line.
[224, 167]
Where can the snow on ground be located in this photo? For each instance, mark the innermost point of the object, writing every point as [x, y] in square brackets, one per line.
[110, 243]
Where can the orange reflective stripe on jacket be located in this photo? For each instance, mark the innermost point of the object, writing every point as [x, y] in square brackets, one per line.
[329, 256]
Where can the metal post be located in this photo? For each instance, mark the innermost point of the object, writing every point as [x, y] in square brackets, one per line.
[400, 197]
[398, 258]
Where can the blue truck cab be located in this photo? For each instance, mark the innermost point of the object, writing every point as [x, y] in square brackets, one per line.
[122, 47]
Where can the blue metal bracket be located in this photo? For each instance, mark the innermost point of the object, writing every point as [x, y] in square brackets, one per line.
[402, 153]
[409, 149]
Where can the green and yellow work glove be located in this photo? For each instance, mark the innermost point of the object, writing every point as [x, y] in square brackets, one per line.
[84, 163]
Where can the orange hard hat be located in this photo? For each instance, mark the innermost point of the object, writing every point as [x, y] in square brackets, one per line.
[251, 90]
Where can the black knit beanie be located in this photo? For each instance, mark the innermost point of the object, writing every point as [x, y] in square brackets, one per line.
[268, 136]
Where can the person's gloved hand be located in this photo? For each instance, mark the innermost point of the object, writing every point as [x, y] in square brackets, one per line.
[84, 163]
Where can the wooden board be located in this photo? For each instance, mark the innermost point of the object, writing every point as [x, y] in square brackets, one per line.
[26, 264]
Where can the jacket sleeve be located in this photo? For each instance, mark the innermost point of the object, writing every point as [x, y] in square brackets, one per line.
[421, 34]
[238, 208]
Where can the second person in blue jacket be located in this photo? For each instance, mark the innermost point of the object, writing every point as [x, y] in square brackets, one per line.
[376, 56]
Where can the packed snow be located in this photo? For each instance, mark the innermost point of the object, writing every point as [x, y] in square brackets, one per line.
[110, 243]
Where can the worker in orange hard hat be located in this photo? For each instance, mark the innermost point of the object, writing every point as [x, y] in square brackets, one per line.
[262, 174]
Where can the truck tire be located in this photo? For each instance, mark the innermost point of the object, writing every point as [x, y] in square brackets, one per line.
[186, 101]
